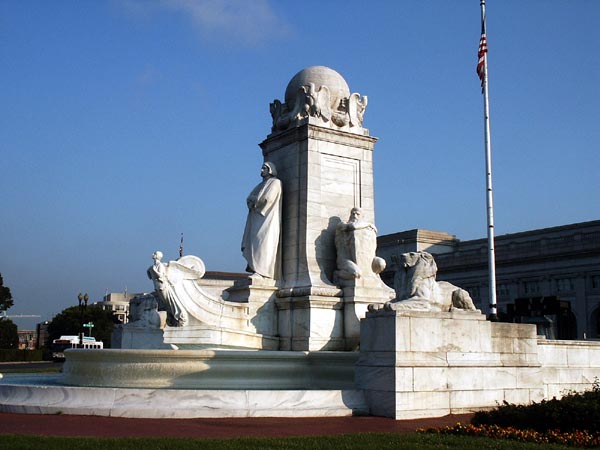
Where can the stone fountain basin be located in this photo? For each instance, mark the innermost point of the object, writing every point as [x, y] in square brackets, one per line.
[191, 383]
[209, 369]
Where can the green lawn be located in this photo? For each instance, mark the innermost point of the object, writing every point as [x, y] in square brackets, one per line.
[368, 441]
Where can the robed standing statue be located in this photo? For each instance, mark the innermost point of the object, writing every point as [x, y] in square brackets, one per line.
[262, 235]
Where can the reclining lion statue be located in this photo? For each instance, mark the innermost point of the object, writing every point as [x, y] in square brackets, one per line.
[417, 289]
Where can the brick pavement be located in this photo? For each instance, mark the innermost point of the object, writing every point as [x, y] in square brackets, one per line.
[69, 425]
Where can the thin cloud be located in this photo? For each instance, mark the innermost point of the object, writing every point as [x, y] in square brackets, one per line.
[241, 22]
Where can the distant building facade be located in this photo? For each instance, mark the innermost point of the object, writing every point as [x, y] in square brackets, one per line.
[27, 339]
[41, 334]
[118, 303]
[550, 275]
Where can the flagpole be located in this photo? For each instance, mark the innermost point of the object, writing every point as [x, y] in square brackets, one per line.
[493, 313]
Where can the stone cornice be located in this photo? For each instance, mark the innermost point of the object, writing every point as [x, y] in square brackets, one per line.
[308, 130]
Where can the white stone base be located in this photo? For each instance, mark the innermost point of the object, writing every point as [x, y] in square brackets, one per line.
[210, 337]
[411, 365]
[191, 383]
[424, 364]
[176, 403]
[311, 323]
[142, 338]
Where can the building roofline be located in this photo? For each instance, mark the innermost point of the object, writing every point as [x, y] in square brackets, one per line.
[430, 236]
[555, 229]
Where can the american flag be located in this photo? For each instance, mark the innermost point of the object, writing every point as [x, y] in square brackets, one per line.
[481, 55]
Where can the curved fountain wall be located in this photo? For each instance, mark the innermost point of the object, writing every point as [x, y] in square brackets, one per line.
[210, 369]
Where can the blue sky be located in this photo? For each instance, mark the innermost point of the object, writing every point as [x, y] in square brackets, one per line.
[126, 123]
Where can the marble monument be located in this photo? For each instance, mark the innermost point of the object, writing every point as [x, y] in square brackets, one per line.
[312, 275]
[419, 350]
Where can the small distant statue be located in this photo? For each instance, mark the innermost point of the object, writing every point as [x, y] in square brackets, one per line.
[262, 234]
[356, 243]
[170, 282]
[417, 289]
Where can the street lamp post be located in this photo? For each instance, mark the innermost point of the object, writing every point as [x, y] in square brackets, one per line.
[83, 301]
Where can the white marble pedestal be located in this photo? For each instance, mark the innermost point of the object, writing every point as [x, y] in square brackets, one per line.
[358, 295]
[311, 322]
[128, 337]
[426, 364]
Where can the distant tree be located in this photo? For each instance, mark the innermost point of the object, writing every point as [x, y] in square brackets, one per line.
[68, 322]
[9, 338]
[6, 300]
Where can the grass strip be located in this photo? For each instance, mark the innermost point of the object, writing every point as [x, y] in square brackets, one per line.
[364, 441]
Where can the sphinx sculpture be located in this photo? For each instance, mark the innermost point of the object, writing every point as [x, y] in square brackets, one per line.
[262, 234]
[417, 289]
